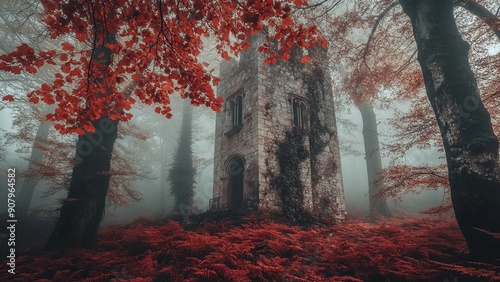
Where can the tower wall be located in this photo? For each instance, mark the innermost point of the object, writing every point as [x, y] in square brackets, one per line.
[238, 78]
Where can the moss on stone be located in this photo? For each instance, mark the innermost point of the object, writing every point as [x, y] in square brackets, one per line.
[291, 152]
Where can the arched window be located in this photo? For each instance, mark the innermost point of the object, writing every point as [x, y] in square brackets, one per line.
[299, 113]
[235, 118]
[237, 111]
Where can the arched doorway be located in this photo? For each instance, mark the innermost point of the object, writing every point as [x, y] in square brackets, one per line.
[235, 170]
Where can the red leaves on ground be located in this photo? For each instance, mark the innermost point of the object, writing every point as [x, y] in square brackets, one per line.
[396, 250]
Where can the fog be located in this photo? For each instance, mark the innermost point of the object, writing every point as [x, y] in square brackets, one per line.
[148, 158]
[353, 165]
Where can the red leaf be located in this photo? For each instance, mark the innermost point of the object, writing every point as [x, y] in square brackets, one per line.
[34, 100]
[8, 98]
[225, 56]
[67, 46]
[79, 131]
[298, 3]
[66, 68]
[82, 36]
[31, 69]
[305, 59]
[216, 107]
[16, 70]
[89, 127]
[48, 99]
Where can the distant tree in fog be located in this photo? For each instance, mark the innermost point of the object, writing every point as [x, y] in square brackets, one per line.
[183, 172]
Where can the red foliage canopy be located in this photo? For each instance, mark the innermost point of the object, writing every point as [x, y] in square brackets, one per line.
[155, 45]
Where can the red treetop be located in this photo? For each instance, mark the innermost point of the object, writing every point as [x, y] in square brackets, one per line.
[151, 50]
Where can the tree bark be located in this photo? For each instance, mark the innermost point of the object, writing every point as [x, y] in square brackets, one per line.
[470, 144]
[83, 210]
[378, 205]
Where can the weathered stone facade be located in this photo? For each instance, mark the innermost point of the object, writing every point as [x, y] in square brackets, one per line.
[276, 145]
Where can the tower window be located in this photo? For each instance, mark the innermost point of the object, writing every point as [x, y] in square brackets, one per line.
[235, 115]
[299, 112]
[237, 111]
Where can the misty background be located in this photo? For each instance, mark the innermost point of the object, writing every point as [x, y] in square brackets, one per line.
[354, 170]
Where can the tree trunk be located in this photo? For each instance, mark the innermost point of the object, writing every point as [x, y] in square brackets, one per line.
[163, 176]
[470, 144]
[30, 182]
[378, 206]
[82, 211]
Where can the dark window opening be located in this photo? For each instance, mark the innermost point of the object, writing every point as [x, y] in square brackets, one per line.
[235, 170]
[299, 111]
[236, 119]
[237, 111]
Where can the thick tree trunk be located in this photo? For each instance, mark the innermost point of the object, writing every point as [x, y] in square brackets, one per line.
[30, 182]
[378, 206]
[82, 211]
[470, 145]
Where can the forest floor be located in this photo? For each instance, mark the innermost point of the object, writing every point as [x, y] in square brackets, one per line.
[257, 249]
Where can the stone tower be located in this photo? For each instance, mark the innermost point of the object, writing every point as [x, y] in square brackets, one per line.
[276, 146]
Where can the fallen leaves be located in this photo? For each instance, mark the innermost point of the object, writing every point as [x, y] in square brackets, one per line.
[260, 250]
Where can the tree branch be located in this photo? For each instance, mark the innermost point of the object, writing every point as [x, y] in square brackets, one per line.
[377, 22]
[484, 14]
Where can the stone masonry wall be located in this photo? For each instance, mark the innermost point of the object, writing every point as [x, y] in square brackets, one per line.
[277, 85]
[328, 192]
[237, 77]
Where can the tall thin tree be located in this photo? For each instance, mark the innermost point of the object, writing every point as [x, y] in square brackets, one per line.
[30, 181]
[182, 174]
[378, 205]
